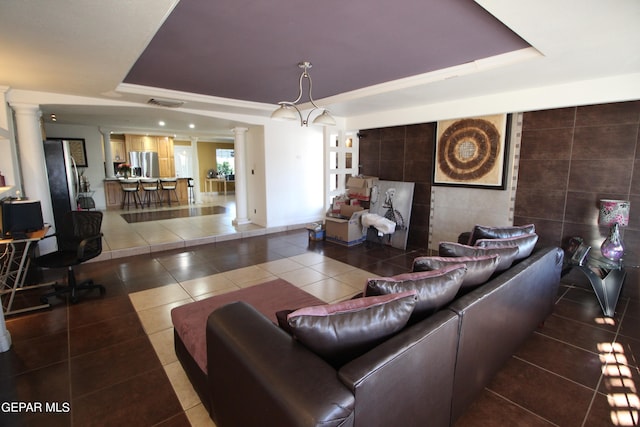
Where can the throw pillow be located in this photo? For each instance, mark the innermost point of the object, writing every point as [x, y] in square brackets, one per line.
[341, 332]
[524, 243]
[507, 254]
[484, 232]
[435, 289]
[479, 268]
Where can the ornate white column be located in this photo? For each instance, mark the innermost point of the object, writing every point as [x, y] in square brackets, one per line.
[241, 178]
[34, 168]
[195, 170]
[108, 155]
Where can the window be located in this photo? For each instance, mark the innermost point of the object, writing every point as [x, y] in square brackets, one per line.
[225, 161]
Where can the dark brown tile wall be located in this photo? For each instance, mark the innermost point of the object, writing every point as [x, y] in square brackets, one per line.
[403, 153]
[570, 158]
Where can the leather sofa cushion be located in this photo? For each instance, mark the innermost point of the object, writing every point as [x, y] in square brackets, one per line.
[343, 331]
[435, 289]
[524, 243]
[479, 269]
[507, 254]
[485, 232]
[190, 320]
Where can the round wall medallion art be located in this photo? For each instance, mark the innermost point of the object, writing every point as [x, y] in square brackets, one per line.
[470, 151]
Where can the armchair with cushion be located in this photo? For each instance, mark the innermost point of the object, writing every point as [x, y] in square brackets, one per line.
[79, 240]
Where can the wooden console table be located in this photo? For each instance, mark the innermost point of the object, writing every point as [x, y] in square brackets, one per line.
[209, 184]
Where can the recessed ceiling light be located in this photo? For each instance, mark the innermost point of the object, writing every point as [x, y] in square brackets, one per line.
[54, 118]
[191, 126]
[161, 123]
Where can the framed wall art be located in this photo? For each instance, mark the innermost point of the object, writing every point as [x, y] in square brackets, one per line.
[78, 151]
[472, 152]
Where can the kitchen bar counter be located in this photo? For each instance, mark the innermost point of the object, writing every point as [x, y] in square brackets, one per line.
[113, 192]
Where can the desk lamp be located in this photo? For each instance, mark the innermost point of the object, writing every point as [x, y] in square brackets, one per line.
[614, 214]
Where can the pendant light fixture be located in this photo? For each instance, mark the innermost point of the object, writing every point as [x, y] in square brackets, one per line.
[288, 110]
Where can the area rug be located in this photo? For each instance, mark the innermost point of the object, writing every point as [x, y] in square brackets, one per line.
[143, 216]
[190, 320]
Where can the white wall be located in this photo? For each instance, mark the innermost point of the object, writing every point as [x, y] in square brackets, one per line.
[598, 91]
[95, 154]
[256, 176]
[294, 173]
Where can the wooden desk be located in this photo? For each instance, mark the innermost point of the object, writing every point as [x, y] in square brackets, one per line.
[15, 260]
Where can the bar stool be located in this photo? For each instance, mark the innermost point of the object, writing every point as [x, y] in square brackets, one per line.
[151, 191]
[169, 186]
[130, 188]
[190, 189]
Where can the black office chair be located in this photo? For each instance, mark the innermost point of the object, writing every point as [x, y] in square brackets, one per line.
[79, 240]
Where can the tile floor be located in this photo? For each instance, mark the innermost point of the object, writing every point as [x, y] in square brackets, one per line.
[122, 239]
[109, 361]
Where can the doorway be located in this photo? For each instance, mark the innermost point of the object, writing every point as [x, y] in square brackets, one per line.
[183, 161]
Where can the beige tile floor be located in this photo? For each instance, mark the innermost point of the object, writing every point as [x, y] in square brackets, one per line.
[325, 278]
[122, 239]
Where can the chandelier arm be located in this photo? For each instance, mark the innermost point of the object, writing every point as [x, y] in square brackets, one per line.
[315, 106]
[310, 90]
[299, 88]
[304, 122]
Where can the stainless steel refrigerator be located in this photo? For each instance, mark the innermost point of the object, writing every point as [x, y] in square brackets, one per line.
[144, 164]
[63, 178]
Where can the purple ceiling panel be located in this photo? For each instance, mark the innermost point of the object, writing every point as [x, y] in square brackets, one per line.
[249, 49]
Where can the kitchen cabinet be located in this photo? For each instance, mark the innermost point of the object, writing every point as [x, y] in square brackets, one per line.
[150, 143]
[144, 142]
[134, 143]
[118, 152]
[141, 143]
[165, 156]
[163, 145]
[112, 194]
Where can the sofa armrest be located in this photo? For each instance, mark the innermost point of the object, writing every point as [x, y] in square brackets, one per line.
[258, 375]
[408, 379]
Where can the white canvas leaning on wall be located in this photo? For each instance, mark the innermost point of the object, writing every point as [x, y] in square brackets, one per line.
[392, 200]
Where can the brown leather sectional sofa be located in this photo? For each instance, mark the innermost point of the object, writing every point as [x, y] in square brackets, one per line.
[427, 374]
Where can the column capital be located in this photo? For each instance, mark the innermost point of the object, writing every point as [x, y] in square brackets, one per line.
[239, 130]
[25, 108]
